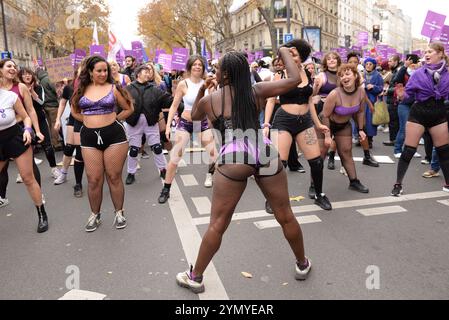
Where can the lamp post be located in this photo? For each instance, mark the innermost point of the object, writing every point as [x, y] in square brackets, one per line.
[4, 25]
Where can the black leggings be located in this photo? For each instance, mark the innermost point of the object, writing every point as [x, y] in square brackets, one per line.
[46, 144]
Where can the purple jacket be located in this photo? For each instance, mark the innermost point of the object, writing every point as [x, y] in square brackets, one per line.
[422, 86]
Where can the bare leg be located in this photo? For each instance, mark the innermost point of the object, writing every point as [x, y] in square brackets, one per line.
[114, 160]
[94, 165]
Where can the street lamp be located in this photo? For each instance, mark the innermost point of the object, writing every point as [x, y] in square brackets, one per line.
[4, 25]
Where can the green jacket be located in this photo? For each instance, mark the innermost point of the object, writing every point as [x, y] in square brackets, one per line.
[51, 97]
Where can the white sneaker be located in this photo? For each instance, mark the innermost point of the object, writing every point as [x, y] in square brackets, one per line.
[425, 161]
[354, 140]
[446, 189]
[3, 202]
[417, 155]
[165, 152]
[183, 280]
[208, 183]
[38, 161]
[138, 165]
[343, 171]
[421, 142]
[397, 155]
[386, 130]
[302, 274]
[43, 199]
[61, 179]
[19, 178]
[55, 173]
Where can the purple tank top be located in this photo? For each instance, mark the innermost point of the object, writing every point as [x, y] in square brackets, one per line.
[327, 87]
[16, 90]
[105, 105]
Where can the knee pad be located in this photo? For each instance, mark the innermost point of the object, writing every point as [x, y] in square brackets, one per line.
[285, 163]
[443, 152]
[157, 149]
[316, 164]
[408, 153]
[134, 152]
[68, 150]
[79, 154]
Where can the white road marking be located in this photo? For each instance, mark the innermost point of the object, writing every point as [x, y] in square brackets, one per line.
[202, 205]
[191, 241]
[82, 295]
[380, 159]
[381, 210]
[266, 224]
[335, 205]
[445, 202]
[189, 180]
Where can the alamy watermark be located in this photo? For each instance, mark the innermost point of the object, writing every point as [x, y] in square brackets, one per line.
[373, 280]
[73, 20]
[72, 282]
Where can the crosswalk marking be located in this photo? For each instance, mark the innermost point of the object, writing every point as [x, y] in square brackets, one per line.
[189, 180]
[202, 205]
[273, 223]
[335, 205]
[380, 159]
[381, 210]
[445, 202]
[82, 295]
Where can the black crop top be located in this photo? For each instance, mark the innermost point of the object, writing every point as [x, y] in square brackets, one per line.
[298, 95]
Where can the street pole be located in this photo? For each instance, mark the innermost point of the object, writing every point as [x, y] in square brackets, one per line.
[4, 25]
[288, 16]
[302, 19]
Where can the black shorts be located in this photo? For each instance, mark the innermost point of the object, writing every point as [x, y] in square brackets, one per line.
[74, 123]
[294, 124]
[429, 114]
[103, 138]
[338, 127]
[11, 143]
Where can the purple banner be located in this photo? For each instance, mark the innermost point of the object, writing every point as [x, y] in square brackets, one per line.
[217, 55]
[79, 56]
[446, 48]
[159, 52]
[343, 52]
[180, 58]
[444, 36]
[419, 53]
[137, 49]
[318, 55]
[72, 56]
[362, 38]
[129, 53]
[433, 25]
[391, 52]
[40, 62]
[165, 60]
[120, 59]
[258, 55]
[366, 53]
[357, 48]
[251, 57]
[97, 50]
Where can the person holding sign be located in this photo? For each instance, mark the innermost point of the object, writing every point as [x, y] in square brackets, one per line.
[430, 86]
[187, 91]
[103, 138]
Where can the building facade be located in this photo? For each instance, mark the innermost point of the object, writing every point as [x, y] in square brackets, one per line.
[395, 26]
[251, 33]
[23, 48]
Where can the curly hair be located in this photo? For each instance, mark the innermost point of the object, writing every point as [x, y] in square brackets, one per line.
[345, 67]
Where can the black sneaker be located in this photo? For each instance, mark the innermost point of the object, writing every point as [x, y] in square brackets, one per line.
[331, 164]
[312, 192]
[356, 185]
[323, 202]
[163, 173]
[130, 179]
[397, 190]
[268, 208]
[388, 143]
[78, 191]
[301, 168]
[165, 195]
[370, 162]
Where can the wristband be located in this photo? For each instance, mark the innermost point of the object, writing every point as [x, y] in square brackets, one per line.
[266, 125]
[30, 130]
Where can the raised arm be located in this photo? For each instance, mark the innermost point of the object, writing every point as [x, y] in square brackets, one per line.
[264, 90]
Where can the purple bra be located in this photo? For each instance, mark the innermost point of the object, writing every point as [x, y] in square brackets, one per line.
[105, 105]
[346, 111]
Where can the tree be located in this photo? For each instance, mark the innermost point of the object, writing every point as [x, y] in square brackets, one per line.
[47, 24]
[268, 13]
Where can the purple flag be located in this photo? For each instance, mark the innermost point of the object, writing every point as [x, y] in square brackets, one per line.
[120, 59]
[137, 49]
[444, 36]
[318, 54]
[433, 25]
[217, 55]
[165, 60]
[129, 53]
[362, 38]
[97, 50]
[79, 56]
[180, 58]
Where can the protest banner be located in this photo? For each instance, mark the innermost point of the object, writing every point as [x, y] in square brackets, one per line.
[433, 25]
[180, 58]
[59, 68]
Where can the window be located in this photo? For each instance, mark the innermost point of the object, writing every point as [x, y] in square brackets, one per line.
[280, 36]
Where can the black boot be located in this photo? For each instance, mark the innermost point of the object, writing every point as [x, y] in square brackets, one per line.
[130, 179]
[331, 161]
[369, 161]
[356, 185]
[43, 219]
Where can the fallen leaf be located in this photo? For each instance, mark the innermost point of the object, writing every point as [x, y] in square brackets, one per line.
[285, 283]
[297, 199]
[9, 215]
[247, 275]
[109, 272]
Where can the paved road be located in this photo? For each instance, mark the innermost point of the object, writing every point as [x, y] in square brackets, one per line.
[398, 249]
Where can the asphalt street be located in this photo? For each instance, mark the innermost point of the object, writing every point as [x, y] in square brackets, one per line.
[371, 246]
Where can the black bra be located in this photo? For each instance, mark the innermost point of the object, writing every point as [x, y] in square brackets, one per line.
[298, 95]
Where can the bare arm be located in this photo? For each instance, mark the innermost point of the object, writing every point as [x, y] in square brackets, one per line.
[328, 109]
[199, 107]
[30, 109]
[20, 110]
[174, 106]
[61, 108]
[264, 90]
[127, 107]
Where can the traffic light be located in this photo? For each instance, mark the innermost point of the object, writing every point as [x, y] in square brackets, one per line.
[376, 32]
[347, 41]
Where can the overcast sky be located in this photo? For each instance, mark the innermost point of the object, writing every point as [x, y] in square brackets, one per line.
[124, 15]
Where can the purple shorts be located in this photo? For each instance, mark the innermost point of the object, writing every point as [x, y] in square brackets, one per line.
[191, 127]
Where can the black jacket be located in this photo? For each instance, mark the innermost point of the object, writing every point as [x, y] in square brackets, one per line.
[130, 73]
[51, 98]
[149, 100]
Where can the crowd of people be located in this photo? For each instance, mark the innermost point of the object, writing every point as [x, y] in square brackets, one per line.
[251, 118]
